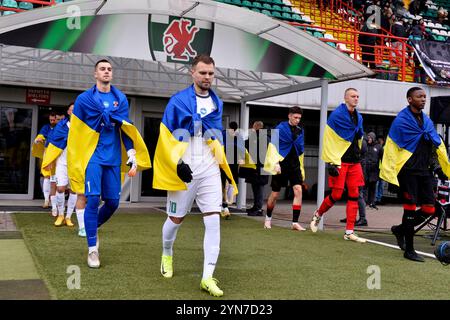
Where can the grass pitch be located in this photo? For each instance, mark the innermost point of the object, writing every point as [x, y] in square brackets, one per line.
[253, 264]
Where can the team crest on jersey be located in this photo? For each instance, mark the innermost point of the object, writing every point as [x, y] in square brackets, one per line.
[177, 39]
[106, 104]
[115, 104]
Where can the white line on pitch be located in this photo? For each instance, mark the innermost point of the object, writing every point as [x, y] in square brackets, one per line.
[396, 247]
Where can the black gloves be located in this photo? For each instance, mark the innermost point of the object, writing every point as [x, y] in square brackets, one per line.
[441, 175]
[184, 172]
[333, 170]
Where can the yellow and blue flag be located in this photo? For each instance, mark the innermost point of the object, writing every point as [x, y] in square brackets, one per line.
[86, 122]
[38, 149]
[339, 134]
[280, 146]
[402, 141]
[180, 122]
[57, 142]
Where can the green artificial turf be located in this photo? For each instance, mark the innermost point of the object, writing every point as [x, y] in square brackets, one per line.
[254, 263]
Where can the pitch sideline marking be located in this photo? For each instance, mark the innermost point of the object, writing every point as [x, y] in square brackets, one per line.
[429, 255]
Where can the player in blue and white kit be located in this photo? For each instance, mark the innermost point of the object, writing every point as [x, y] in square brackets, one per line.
[99, 126]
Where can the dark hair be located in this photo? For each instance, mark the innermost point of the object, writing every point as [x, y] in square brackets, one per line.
[412, 90]
[203, 58]
[100, 61]
[52, 114]
[72, 103]
[295, 109]
[233, 125]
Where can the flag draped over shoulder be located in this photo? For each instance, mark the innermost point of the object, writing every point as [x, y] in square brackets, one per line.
[180, 122]
[280, 146]
[403, 139]
[37, 149]
[87, 120]
[57, 142]
[339, 134]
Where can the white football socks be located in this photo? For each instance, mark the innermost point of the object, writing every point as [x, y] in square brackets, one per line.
[211, 244]
[71, 204]
[169, 234]
[80, 218]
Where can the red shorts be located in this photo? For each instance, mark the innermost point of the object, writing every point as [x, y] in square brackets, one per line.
[350, 174]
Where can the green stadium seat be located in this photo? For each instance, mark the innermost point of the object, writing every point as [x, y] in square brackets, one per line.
[25, 5]
[267, 6]
[247, 4]
[236, 2]
[318, 34]
[331, 44]
[296, 17]
[276, 14]
[286, 16]
[5, 13]
[266, 12]
[286, 9]
[277, 2]
[258, 5]
[10, 3]
[276, 7]
[256, 10]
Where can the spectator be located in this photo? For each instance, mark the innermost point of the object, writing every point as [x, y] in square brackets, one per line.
[398, 30]
[258, 179]
[367, 41]
[234, 149]
[380, 183]
[416, 7]
[372, 167]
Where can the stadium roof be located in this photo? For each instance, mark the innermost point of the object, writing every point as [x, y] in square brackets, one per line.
[52, 47]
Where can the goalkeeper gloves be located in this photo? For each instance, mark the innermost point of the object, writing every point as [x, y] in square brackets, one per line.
[184, 172]
[441, 175]
[131, 162]
[333, 170]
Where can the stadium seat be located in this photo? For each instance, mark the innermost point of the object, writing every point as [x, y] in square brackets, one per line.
[318, 34]
[266, 12]
[286, 16]
[5, 13]
[267, 6]
[256, 10]
[10, 3]
[247, 4]
[258, 5]
[276, 14]
[236, 2]
[286, 9]
[297, 17]
[25, 5]
[276, 7]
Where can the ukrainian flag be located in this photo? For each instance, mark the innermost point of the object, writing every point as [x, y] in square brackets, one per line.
[179, 123]
[403, 138]
[280, 146]
[57, 142]
[339, 134]
[38, 149]
[85, 126]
